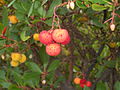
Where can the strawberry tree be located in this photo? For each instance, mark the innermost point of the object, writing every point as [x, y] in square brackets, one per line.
[60, 44]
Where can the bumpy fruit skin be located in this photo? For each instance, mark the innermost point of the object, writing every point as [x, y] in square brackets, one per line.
[36, 37]
[88, 84]
[67, 41]
[83, 81]
[45, 37]
[23, 58]
[13, 19]
[53, 49]
[14, 63]
[60, 35]
[77, 80]
[15, 56]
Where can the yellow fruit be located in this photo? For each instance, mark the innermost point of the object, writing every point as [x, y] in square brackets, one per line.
[23, 59]
[14, 63]
[36, 37]
[13, 19]
[112, 44]
[15, 56]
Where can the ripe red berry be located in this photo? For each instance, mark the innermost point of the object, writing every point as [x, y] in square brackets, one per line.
[53, 49]
[88, 84]
[82, 85]
[83, 81]
[45, 37]
[67, 41]
[60, 35]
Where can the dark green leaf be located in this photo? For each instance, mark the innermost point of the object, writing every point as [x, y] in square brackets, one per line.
[5, 16]
[80, 4]
[100, 86]
[2, 74]
[31, 78]
[44, 56]
[51, 9]
[33, 67]
[54, 65]
[14, 87]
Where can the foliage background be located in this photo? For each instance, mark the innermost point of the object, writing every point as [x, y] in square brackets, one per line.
[89, 51]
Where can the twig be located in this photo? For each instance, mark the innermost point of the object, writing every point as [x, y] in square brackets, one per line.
[56, 16]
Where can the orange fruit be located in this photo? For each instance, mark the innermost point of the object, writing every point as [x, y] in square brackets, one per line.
[77, 80]
[13, 19]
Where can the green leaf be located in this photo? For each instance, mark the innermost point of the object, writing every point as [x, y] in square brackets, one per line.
[80, 4]
[110, 64]
[5, 16]
[98, 7]
[37, 4]
[100, 70]
[33, 67]
[42, 11]
[31, 10]
[54, 65]
[101, 86]
[117, 85]
[86, 88]
[5, 84]
[31, 78]
[2, 74]
[44, 56]
[17, 77]
[11, 3]
[23, 36]
[51, 9]
[13, 87]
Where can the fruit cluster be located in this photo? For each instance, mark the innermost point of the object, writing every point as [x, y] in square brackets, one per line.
[17, 58]
[52, 39]
[82, 82]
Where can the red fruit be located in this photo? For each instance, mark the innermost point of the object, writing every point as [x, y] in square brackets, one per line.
[45, 37]
[60, 35]
[67, 41]
[53, 49]
[88, 84]
[82, 85]
[83, 81]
